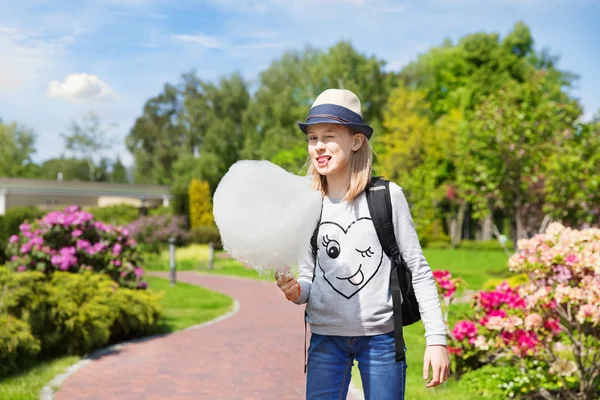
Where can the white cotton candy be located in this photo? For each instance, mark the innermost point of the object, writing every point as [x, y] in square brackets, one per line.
[265, 214]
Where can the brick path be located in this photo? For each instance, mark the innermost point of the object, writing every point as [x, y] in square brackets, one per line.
[257, 354]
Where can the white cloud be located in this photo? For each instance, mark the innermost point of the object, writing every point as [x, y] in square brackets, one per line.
[80, 88]
[25, 56]
[211, 42]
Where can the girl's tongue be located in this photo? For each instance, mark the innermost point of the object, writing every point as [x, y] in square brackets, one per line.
[323, 160]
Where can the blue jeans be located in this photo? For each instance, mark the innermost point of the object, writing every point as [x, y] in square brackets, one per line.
[330, 361]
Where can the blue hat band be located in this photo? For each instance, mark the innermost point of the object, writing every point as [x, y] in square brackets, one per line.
[335, 112]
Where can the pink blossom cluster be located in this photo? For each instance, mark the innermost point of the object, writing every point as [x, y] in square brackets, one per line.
[445, 282]
[560, 301]
[504, 295]
[71, 240]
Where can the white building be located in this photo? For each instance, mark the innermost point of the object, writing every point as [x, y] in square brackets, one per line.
[51, 193]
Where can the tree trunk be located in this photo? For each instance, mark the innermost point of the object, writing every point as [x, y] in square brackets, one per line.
[456, 226]
[517, 218]
[486, 228]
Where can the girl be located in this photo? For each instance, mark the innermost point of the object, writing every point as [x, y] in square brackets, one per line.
[347, 287]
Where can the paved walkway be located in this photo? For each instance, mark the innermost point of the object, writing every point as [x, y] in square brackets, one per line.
[257, 354]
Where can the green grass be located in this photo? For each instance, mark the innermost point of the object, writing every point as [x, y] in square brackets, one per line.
[183, 306]
[27, 385]
[475, 267]
[195, 258]
[186, 305]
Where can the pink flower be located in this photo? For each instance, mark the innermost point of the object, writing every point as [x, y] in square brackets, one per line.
[571, 259]
[464, 329]
[83, 244]
[533, 321]
[72, 208]
[26, 248]
[13, 239]
[77, 233]
[138, 272]
[117, 263]
[117, 248]
[24, 227]
[124, 273]
[22, 268]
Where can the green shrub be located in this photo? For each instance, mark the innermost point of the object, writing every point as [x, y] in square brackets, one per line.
[118, 214]
[201, 210]
[16, 343]
[509, 381]
[513, 281]
[81, 312]
[10, 222]
[485, 245]
[138, 314]
[167, 211]
[205, 235]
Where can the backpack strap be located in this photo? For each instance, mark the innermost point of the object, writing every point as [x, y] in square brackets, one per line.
[380, 208]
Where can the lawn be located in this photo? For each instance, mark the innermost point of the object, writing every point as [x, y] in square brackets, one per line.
[475, 267]
[195, 258]
[183, 306]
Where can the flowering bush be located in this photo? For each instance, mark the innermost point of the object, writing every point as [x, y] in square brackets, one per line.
[554, 318]
[73, 241]
[153, 232]
[447, 286]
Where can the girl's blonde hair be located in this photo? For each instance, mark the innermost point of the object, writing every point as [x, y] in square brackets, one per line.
[361, 162]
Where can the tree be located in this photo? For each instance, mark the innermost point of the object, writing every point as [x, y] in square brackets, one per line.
[572, 177]
[512, 132]
[17, 144]
[86, 140]
[290, 85]
[119, 173]
[69, 169]
[157, 137]
[417, 153]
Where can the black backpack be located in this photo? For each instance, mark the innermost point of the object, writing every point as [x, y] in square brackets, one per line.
[380, 206]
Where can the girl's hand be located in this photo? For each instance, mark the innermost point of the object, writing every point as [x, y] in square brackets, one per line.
[437, 357]
[289, 285]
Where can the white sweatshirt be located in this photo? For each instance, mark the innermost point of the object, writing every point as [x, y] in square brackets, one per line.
[350, 294]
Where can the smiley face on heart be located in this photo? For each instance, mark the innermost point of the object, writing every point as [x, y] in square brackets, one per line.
[348, 257]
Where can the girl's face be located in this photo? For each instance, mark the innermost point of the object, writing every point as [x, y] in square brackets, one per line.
[330, 147]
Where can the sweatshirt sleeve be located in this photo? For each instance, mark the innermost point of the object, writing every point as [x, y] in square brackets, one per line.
[422, 277]
[306, 265]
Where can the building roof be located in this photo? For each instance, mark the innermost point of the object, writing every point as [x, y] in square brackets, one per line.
[82, 188]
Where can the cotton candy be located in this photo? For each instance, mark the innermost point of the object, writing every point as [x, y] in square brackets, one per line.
[266, 215]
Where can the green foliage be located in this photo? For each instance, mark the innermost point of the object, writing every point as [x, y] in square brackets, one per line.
[16, 343]
[118, 173]
[572, 178]
[10, 222]
[508, 381]
[17, 144]
[160, 211]
[486, 245]
[81, 311]
[138, 313]
[201, 213]
[513, 281]
[206, 234]
[70, 313]
[117, 214]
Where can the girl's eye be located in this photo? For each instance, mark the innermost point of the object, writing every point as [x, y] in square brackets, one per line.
[366, 253]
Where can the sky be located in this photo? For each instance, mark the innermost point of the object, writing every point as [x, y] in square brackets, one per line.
[61, 59]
